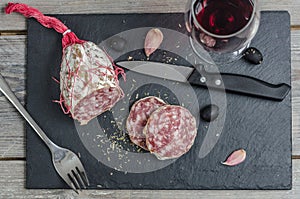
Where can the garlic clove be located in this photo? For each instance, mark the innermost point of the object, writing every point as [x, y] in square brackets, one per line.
[235, 158]
[152, 41]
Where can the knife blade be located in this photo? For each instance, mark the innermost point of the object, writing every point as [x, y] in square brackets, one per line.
[233, 83]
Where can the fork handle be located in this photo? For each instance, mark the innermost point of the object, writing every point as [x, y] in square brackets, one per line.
[13, 99]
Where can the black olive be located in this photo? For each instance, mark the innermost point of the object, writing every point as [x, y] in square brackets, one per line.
[253, 55]
[209, 113]
[117, 43]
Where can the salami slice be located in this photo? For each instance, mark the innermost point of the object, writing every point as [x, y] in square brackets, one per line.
[138, 116]
[170, 132]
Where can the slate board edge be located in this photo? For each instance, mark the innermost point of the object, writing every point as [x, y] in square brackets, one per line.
[27, 126]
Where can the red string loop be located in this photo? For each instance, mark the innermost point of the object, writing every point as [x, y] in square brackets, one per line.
[49, 22]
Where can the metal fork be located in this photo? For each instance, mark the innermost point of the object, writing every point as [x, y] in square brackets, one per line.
[66, 162]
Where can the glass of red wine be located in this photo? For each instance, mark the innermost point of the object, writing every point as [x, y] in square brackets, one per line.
[221, 29]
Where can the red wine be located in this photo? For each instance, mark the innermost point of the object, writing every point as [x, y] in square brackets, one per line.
[223, 17]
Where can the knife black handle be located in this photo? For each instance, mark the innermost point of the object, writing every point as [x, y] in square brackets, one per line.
[240, 84]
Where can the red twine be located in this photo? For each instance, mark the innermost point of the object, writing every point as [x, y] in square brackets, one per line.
[69, 38]
[118, 70]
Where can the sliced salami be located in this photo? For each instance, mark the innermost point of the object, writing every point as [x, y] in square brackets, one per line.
[138, 117]
[88, 78]
[88, 82]
[170, 132]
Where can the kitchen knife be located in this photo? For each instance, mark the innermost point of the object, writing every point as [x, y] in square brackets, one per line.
[234, 83]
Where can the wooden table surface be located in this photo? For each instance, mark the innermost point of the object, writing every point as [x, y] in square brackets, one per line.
[12, 67]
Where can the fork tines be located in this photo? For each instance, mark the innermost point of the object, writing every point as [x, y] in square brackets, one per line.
[78, 180]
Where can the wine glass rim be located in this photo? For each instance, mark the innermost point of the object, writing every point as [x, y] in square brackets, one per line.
[224, 36]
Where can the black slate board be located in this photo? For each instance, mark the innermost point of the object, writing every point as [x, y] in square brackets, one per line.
[261, 127]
